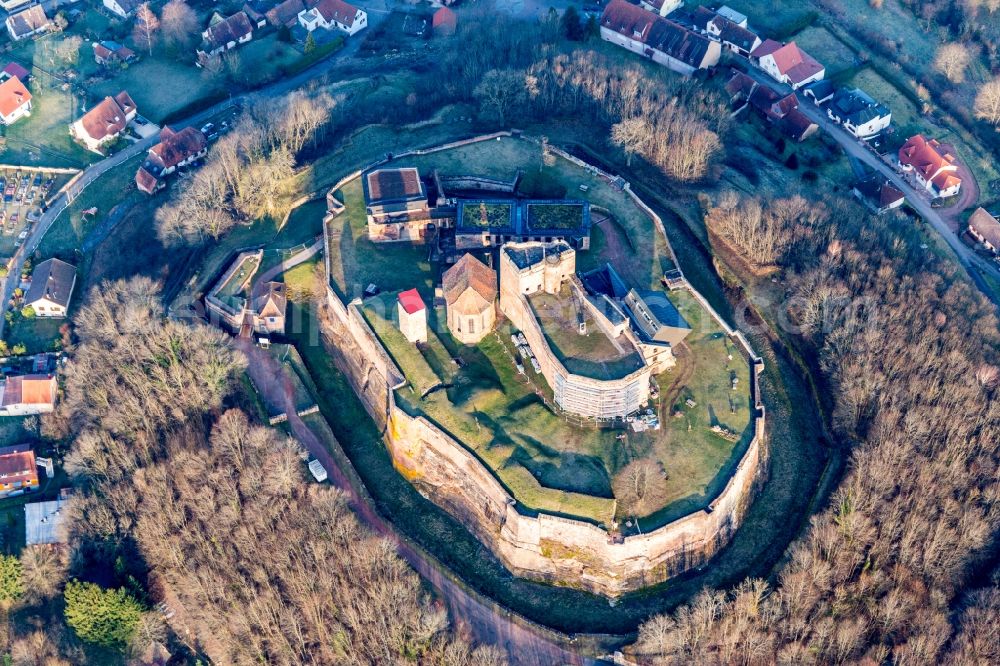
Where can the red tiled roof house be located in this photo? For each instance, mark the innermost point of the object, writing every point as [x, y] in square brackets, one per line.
[15, 101]
[18, 471]
[28, 394]
[412, 315]
[28, 23]
[936, 173]
[663, 41]
[444, 22]
[787, 63]
[334, 15]
[105, 122]
[176, 149]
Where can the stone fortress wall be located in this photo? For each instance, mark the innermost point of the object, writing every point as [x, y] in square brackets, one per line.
[540, 546]
[577, 394]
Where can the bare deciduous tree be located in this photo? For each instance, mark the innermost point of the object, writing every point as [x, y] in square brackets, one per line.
[952, 60]
[988, 102]
[179, 25]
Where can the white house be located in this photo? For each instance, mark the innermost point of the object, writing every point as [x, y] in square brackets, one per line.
[936, 173]
[334, 14]
[661, 7]
[986, 229]
[860, 115]
[28, 23]
[121, 8]
[224, 34]
[27, 394]
[787, 63]
[663, 41]
[15, 101]
[51, 288]
[105, 122]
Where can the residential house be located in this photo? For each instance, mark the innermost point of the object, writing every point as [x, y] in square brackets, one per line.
[787, 63]
[334, 15]
[733, 35]
[51, 288]
[27, 394]
[110, 53]
[986, 229]
[105, 122]
[780, 110]
[15, 101]
[661, 7]
[878, 194]
[936, 173]
[285, 13]
[732, 15]
[224, 34]
[14, 69]
[860, 115]
[256, 11]
[412, 314]
[8, 5]
[27, 23]
[663, 41]
[18, 472]
[444, 22]
[470, 292]
[821, 91]
[176, 149]
[251, 308]
[269, 303]
[122, 8]
[45, 522]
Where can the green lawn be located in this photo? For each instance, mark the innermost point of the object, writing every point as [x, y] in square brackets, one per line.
[646, 253]
[114, 187]
[39, 334]
[356, 262]
[827, 49]
[43, 138]
[591, 354]
[159, 85]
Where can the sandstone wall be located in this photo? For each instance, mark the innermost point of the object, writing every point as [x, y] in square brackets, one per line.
[545, 547]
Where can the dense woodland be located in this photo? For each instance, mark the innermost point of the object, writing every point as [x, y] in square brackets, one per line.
[256, 565]
[908, 353]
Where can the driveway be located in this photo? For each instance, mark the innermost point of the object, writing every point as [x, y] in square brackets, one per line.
[918, 199]
[487, 622]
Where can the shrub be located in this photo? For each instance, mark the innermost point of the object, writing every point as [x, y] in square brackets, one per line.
[105, 617]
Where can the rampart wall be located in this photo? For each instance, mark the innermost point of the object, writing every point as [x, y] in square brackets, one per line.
[540, 546]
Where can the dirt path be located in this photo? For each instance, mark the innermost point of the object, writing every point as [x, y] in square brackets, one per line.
[967, 198]
[484, 621]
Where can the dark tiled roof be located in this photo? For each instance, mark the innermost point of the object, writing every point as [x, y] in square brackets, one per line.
[53, 280]
[655, 32]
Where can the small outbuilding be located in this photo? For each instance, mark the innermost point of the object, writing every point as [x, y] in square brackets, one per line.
[412, 316]
[444, 22]
[470, 292]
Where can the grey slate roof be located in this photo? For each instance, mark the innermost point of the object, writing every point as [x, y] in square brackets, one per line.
[53, 280]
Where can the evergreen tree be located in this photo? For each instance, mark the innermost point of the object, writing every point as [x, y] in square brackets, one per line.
[310, 44]
[11, 579]
[571, 26]
[105, 617]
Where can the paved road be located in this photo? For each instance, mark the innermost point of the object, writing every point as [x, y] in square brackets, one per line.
[918, 199]
[526, 645]
[96, 170]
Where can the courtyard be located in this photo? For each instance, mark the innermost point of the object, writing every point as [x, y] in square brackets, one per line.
[502, 410]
